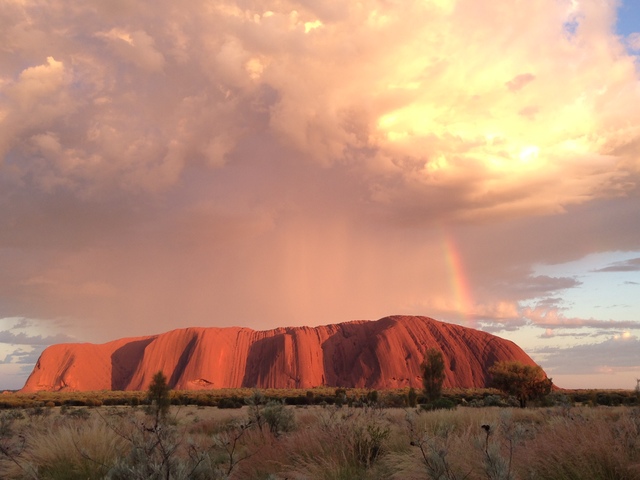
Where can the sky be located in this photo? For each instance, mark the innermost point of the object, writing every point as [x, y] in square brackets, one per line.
[283, 163]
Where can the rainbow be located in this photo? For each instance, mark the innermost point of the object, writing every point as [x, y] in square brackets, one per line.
[458, 280]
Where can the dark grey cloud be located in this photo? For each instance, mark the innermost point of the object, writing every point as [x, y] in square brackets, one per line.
[496, 325]
[631, 265]
[550, 302]
[22, 323]
[542, 285]
[577, 335]
[24, 357]
[11, 338]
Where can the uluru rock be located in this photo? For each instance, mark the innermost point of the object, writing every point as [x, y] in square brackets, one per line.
[381, 354]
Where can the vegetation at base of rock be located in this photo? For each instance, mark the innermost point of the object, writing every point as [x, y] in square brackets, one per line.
[234, 398]
[524, 382]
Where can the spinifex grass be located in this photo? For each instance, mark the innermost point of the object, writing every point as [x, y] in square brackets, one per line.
[322, 442]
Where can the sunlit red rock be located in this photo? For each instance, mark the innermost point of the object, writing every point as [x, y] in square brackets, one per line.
[374, 354]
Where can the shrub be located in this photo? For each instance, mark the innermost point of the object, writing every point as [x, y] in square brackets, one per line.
[81, 413]
[93, 402]
[393, 400]
[556, 400]
[340, 397]
[525, 382]
[309, 397]
[278, 417]
[228, 403]
[493, 401]
[439, 404]
[368, 441]
[372, 397]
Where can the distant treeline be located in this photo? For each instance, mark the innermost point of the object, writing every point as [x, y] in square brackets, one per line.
[353, 397]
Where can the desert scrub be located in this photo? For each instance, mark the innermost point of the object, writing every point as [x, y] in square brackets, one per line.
[61, 447]
[324, 443]
[499, 444]
[337, 443]
[596, 444]
[438, 447]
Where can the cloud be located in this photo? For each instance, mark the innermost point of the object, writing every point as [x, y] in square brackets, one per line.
[552, 333]
[8, 337]
[24, 357]
[542, 285]
[549, 302]
[616, 354]
[631, 265]
[547, 314]
[171, 89]
[21, 323]
[519, 81]
[307, 162]
[633, 41]
[137, 48]
[551, 318]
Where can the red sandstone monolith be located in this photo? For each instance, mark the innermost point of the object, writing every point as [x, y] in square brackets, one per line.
[381, 354]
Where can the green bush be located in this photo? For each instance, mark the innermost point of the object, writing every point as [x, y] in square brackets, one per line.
[439, 404]
[232, 402]
[81, 413]
[340, 397]
[278, 417]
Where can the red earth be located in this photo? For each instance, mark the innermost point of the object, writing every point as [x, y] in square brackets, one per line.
[381, 354]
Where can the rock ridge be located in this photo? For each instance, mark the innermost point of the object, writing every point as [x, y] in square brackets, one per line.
[381, 354]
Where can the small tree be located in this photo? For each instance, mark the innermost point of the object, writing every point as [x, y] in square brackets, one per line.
[432, 374]
[256, 404]
[159, 396]
[525, 382]
[412, 397]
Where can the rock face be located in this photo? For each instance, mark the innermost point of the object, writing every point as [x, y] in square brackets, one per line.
[373, 354]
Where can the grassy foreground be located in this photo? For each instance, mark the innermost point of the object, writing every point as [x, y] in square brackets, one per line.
[269, 441]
